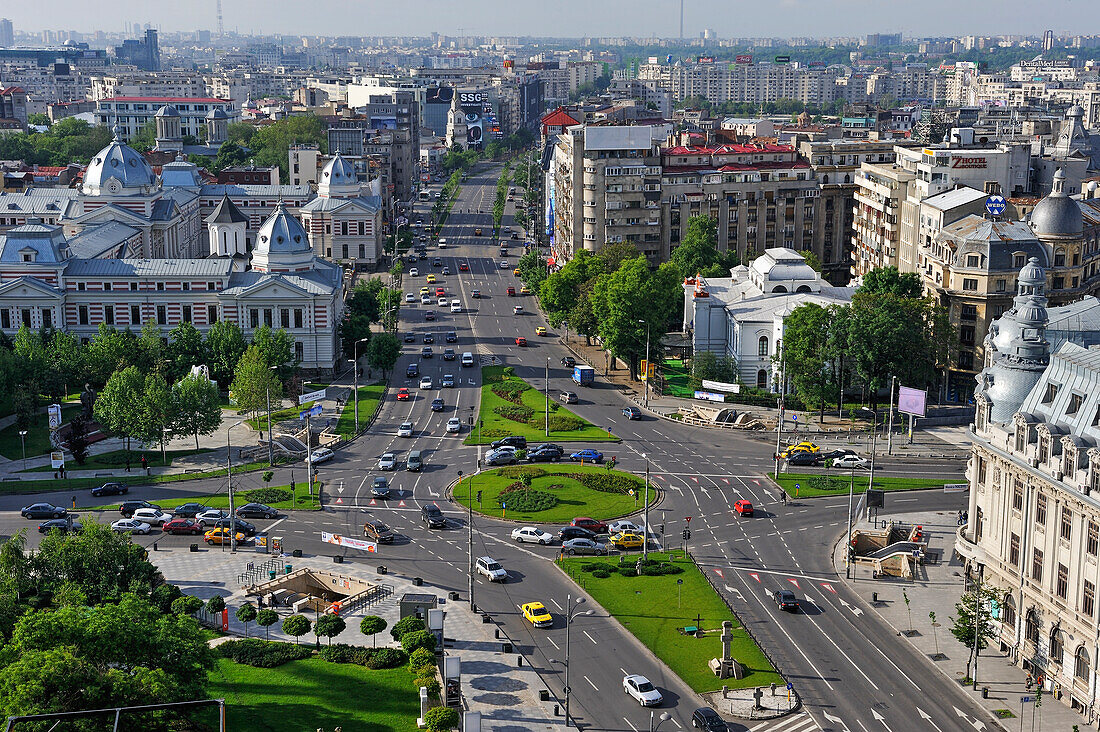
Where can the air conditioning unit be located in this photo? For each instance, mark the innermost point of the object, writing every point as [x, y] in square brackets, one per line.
[1057, 474]
[1034, 462]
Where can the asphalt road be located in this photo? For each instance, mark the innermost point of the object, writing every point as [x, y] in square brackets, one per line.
[848, 668]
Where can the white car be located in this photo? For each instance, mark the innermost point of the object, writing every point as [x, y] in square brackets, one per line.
[414, 272]
[851, 461]
[642, 690]
[442, 302]
[454, 424]
[410, 298]
[426, 382]
[623, 525]
[321, 454]
[209, 516]
[426, 300]
[532, 535]
[388, 461]
[503, 264]
[405, 430]
[491, 569]
[152, 516]
[517, 310]
[132, 525]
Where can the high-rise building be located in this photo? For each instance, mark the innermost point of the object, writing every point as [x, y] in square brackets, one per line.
[1048, 40]
[7, 34]
[145, 53]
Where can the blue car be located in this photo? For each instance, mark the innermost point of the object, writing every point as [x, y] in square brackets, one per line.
[588, 456]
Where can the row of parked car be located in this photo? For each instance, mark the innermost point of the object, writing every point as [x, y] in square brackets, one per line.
[586, 536]
[807, 453]
[139, 517]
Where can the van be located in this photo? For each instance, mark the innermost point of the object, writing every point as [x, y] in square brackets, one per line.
[456, 306]
[414, 462]
[467, 359]
[442, 242]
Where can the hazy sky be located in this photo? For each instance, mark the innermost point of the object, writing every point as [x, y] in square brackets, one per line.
[574, 18]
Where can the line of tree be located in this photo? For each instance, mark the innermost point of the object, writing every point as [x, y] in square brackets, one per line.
[69, 141]
[367, 304]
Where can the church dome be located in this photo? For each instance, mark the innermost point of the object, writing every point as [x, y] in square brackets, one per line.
[118, 170]
[167, 111]
[217, 113]
[1057, 214]
[282, 243]
[338, 178]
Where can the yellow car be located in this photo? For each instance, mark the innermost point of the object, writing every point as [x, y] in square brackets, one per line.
[516, 271]
[627, 540]
[424, 291]
[221, 536]
[800, 447]
[540, 331]
[525, 290]
[537, 614]
[431, 279]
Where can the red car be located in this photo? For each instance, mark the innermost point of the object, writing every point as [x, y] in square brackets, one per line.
[462, 267]
[521, 341]
[402, 394]
[743, 507]
[511, 292]
[597, 527]
[439, 292]
[181, 526]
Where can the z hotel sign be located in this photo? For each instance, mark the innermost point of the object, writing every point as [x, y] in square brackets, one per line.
[968, 162]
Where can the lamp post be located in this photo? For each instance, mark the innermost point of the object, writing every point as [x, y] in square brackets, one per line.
[572, 610]
[645, 377]
[645, 512]
[270, 436]
[665, 716]
[355, 377]
[874, 436]
[546, 383]
[782, 393]
[23, 442]
[229, 485]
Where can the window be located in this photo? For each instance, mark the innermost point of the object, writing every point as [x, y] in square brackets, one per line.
[109, 314]
[1051, 392]
[211, 314]
[160, 286]
[25, 313]
[5, 319]
[47, 318]
[1069, 461]
[254, 318]
[981, 471]
[1088, 598]
[1092, 538]
[267, 317]
[1014, 550]
[1058, 283]
[1017, 496]
[762, 346]
[1075, 401]
[80, 286]
[135, 314]
[106, 286]
[1057, 646]
[1061, 586]
[972, 260]
[1009, 617]
[970, 284]
[1081, 664]
[1031, 627]
[133, 287]
[969, 312]
[1041, 509]
[966, 335]
[1037, 565]
[186, 313]
[82, 315]
[1044, 449]
[284, 318]
[1066, 530]
[298, 317]
[1021, 434]
[162, 315]
[299, 352]
[1059, 258]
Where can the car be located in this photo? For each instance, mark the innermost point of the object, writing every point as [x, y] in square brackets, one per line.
[132, 525]
[440, 292]
[413, 271]
[537, 614]
[511, 292]
[430, 315]
[222, 536]
[447, 381]
[707, 719]
[422, 237]
[377, 531]
[426, 352]
[626, 540]
[467, 359]
[430, 280]
[388, 461]
[426, 382]
[569, 397]
[803, 458]
[43, 511]
[531, 535]
[642, 690]
[632, 413]
[569, 361]
[566, 533]
[517, 310]
[477, 231]
[449, 354]
[475, 294]
[451, 337]
[581, 545]
[403, 394]
[410, 297]
[64, 525]
[515, 235]
[624, 525]
[210, 516]
[743, 507]
[321, 454]
[785, 599]
[598, 527]
[515, 271]
[503, 264]
[181, 526]
[110, 489]
[463, 267]
[426, 290]
[515, 441]
[446, 270]
[151, 516]
[802, 447]
[189, 510]
[127, 508]
[525, 290]
[545, 454]
[429, 338]
[412, 370]
[587, 455]
[491, 569]
[380, 487]
[246, 528]
[541, 331]
[437, 405]
[851, 461]
[454, 424]
[835, 453]
[521, 341]
[405, 430]
[257, 510]
[415, 461]
[425, 299]
[410, 338]
[432, 517]
[501, 457]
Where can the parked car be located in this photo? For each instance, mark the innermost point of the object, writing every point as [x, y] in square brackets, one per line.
[189, 510]
[566, 533]
[491, 569]
[209, 516]
[624, 525]
[851, 461]
[569, 397]
[110, 489]
[378, 531]
[405, 430]
[583, 546]
[545, 454]
[181, 526]
[537, 614]
[380, 487]
[642, 690]
[387, 462]
[626, 540]
[320, 455]
[516, 441]
[743, 507]
[63, 525]
[432, 517]
[531, 535]
[127, 508]
[803, 458]
[596, 527]
[222, 536]
[632, 413]
[257, 510]
[43, 511]
[244, 527]
[132, 525]
[708, 720]
[151, 516]
[588, 455]
[501, 457]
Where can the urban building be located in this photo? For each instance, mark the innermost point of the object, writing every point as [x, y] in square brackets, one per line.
[305, 165]
[144, 53]
[249, 175]
[129, 114]
[386, 133]
[7, 33]
[13, 105]
[343, 223]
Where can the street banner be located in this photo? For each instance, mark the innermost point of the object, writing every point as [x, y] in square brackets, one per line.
[721, 386]
[367, 546]
[313, 396]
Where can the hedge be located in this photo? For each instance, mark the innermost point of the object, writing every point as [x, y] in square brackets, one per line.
[520, 498]
[608, 482]
[515, 412]
[261, 653]
[387, 657]
[518, 471]
[268, 495]
[561, 423]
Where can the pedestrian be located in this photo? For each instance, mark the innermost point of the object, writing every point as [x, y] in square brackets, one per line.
[74, 501]
[1027, 681]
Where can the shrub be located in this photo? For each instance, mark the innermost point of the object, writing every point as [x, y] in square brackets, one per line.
[518, 471]
[431, 683]
[527, 500]
[268, 495]
[441, 719]
[387, 658]
[186, 605]
[827, 483]
[407, 624]
[420, 657]
[418, 639]
[656, 570]
[515, 412]
[601, 574]
[262, 654]
[609, 482]
[345, 653]
[597, 566]
[562, 423]
[628, 572]
[511, 390]
[164, 595]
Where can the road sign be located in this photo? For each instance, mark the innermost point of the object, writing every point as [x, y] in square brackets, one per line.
[313, 396]
[995, 205]
[794, 417]
[956, 487]
[687, 518]
[679, 582]
[790, 686]
[566, 689]
[313, 411]
[1026, 699]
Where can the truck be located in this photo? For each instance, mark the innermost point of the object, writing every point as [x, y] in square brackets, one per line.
[584, 375]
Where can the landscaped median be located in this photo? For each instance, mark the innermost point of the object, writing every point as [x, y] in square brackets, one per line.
[811, 485]
[511, 406]
[280, 497]
[557, 493]
[369, 398]
[655, 609]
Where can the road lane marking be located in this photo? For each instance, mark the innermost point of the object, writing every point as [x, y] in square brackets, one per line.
[591, 684]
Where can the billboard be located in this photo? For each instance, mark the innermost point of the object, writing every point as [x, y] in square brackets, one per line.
[912, 401]
[743, 58]
[472, 105]
[782, 59]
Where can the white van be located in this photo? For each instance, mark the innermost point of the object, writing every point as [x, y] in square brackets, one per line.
[467, 359]
[456, 306]
[442, 243]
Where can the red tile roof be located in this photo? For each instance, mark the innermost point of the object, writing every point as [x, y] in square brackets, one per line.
[12, 90]
[171, 100]
[732, 149]
[559, 118]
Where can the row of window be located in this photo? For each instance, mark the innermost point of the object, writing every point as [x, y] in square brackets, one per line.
[1056, 652]
[134, 286]
[286, 317]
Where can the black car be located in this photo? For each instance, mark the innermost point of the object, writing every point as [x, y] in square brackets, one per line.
[803, 458]
[429, 338]
[545, 454]
[63, 525]
[437, 405]
[705, 718]
[127, 508]
[432, 517]
[517, 441]
[257, 510]
[189, 510]
[412, 370]
[43, 511]
[426, 352]
[822, 456]
[380, 488]
[110, 489]
[452, 337]
[569, 361]
[448, 354]
[410, 337]
[243, 526]
[632, 413]
[786, 600]
[575, 532]
[437, 262]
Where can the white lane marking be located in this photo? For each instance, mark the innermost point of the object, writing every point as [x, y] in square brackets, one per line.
[591, 684]
[631, 725]
[591, 639]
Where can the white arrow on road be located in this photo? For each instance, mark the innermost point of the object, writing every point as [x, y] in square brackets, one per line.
[975, 723]
[732, 591]
[928, 718]
[853, 608]
[880, 718]
[836, 720]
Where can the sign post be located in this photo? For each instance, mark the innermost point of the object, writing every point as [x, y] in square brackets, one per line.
[305, 414]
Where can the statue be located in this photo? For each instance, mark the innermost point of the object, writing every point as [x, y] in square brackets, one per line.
[201, 370]
[87, 401]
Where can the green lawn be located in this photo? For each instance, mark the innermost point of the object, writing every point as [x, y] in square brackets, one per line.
[281, 415]
[677, 378]
[369, 397]
[574, 499]
[117, 459]
[648, 607]
[315, 694]
[494, 426]
[301, 501]
[811, 485]
[37, 438]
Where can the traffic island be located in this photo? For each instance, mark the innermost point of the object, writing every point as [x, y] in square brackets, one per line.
[815, 485]
[761, 702]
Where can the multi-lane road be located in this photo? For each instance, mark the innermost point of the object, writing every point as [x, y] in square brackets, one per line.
[847, 666]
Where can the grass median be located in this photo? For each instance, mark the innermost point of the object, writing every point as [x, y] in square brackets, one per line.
[511, 406]
[556, 494]
[369, 398]
[655, 608]
[297, 498]
[812, 485]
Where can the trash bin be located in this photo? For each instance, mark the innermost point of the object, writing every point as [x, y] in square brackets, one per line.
[338, 558]
[194, 547]
[271, 574]
[296, 553]
[287, 568]
[452, 595]
[381, 569]
[418, 582]
[544, 695]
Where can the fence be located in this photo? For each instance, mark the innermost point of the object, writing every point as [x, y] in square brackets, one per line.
[262, 572]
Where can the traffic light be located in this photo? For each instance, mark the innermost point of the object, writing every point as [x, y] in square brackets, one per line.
[479, 496]
[686, 534]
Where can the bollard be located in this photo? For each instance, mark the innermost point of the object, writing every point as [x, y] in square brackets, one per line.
[985, 692]
[519, 661]
[496, 632]
[194, 547]
[288, 568]
[473, 606]
[544, 695]
[874, 597]
[556, 710]
[505, 647]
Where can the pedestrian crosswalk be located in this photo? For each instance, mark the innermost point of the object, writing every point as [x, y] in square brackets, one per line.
[801, 722]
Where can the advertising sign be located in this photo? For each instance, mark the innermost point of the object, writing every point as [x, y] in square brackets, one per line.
[782, 59]
[472, 105]
[313, 396]
[338, 540]
[706, 59]
[314, 411]
[57, 460]
[912, 401]
[743, 58]
[710, 396]
[55, 416]
[721, 386]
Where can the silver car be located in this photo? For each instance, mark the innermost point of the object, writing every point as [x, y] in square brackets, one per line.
[583, 546]
[388, 461]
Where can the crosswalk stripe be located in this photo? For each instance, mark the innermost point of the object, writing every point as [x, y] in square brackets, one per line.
[801, 722]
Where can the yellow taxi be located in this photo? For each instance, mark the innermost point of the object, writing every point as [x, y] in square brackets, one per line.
[626, 540]
[800, 447]
[221, 536]
[540, 331]
[424, 291]
[516, 271]
[525, 290]
[537, 614]
[431, 279]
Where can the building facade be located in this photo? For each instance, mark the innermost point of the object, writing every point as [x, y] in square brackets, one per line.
[129, 114]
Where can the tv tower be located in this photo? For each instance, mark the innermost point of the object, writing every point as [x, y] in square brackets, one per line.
[221, 28]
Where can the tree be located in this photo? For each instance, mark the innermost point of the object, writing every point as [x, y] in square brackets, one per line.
[246, 613]
[805, 352]
[441, 719]
[119, 406]
[39, 119]
[186, 605]
[156, 410]
[153, 354]
[225, 345]
[407, 624]
[254, 381]
[628, 299]
[964, 624]
[383, 350]
[888, 280]
[697, 251]
[418, 639]
[185, 349]
[195, 406]
[24, 403]
[329, 626]
[215, 604]
[66, 363]
[612, 255]
[277, 347]
[110, 351]
[372, 625]
[811, 260]
[78, 439]
[265, 619]
[559, 292]
[297, 626]
[836, 344]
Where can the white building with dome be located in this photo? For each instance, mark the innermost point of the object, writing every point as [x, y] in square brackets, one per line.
[344, 222]
[742, 316]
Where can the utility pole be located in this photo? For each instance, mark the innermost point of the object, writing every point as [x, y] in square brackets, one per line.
[890, 419]
[547, 389]
[646, 375]
[779, 425]
[645, 512]
[355, 377]
[229, 484]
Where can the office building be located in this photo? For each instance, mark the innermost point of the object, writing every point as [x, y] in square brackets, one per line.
[144, 53]
[129, 114]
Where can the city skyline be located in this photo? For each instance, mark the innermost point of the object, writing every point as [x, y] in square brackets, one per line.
[612, 18]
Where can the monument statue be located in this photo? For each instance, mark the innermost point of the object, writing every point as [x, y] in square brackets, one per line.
[87, 401]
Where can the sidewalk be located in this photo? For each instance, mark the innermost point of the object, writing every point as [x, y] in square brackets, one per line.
[937, 588]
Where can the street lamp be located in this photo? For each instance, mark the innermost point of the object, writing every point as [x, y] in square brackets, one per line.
[546, 382]
[645, 512]
[572, 610]
[646, 376]
[23, 442]
[665, 716]
[229, 484]
[355, 376]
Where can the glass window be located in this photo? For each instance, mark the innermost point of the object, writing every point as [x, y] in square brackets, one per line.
[762, 346]
[1037, 565]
